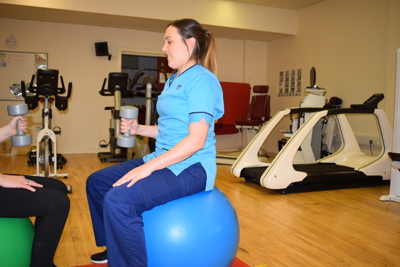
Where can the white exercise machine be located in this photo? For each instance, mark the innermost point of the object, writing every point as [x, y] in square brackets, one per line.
[310, 149]
[46, 91]
[345, 166]
[394, 194]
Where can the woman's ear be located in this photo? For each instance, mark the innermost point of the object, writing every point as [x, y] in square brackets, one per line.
[191, 43]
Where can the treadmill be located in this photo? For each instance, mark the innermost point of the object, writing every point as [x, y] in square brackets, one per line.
[347, 167]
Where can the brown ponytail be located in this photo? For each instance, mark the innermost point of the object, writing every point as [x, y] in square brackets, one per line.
[204, 51]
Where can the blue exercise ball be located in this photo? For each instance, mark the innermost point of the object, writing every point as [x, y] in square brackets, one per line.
[200, 230]
[16, 237]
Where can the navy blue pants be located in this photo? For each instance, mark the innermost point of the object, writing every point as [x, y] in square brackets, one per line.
[117, 211]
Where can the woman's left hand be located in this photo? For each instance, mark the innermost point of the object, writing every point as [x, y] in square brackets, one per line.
[18, 181]
[133, 176]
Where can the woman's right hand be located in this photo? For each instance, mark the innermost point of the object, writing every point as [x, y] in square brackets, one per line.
[23, 125]
[129, 125]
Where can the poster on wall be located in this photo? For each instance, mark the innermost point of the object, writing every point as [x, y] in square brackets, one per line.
[289, 83]
[16, 67]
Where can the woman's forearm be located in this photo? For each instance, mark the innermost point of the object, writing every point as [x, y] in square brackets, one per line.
[147, 130]
[5, 132]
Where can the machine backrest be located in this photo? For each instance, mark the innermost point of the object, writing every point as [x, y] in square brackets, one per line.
[236, 101]
[259, 108]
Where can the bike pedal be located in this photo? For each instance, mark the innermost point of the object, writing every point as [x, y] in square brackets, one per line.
[57, 130]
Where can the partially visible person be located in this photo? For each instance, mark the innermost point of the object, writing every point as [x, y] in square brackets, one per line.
[184, 161]
[46, 199]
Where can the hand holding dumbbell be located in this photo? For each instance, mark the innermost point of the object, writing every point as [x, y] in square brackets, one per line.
[21, 139]
[129, 113]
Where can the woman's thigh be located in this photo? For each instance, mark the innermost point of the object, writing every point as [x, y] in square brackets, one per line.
[49, 183]
[101, 181]
[18, 202]
[159, 188]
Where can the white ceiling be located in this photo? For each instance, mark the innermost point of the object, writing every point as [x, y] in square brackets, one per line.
[103, 20]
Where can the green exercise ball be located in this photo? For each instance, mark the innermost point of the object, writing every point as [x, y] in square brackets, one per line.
[16, 237]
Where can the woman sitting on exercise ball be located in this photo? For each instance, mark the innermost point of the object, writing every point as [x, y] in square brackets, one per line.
[184, 161]
[30, 196]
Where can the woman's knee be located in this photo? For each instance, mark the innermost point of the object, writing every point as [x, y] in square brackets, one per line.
[63, 201]
[114, 195]
[93, 180]
[57, 202]
[59, 185]
[121, 200]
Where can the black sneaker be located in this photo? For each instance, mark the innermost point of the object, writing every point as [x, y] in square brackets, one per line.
[99, 257]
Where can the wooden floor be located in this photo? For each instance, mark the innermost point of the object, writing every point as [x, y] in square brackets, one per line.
[349, 227]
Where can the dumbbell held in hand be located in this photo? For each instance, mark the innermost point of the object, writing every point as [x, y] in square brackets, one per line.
[21, 139]
[129, 113]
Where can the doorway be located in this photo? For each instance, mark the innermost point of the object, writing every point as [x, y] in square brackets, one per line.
[142, 68]
[154, 66]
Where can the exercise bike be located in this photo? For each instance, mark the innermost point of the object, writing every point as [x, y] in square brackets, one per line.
[47, 92]
[117, 87]
[148, 90]
[123, 92]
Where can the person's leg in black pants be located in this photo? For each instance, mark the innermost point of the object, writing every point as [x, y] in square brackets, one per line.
[50, 205]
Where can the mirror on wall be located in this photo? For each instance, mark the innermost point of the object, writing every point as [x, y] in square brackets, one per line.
[16, 67]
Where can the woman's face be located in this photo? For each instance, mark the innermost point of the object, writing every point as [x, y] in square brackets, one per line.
[178, 52]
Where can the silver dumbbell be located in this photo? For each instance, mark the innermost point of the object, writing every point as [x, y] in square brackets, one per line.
[21, 139]
[126, 139]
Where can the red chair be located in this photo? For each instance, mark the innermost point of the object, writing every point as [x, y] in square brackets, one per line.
[258, 111]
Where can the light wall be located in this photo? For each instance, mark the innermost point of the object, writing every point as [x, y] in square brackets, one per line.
[352, 45]
[71, 50]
